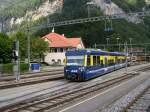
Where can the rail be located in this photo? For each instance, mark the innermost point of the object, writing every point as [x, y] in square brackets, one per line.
[51, 102]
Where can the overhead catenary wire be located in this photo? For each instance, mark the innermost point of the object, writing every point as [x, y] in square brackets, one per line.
[92, 19]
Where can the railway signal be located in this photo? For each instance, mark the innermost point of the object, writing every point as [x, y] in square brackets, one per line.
[15, 53]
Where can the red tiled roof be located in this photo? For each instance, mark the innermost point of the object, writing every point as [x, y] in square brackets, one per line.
[56, 40]
[74, 41]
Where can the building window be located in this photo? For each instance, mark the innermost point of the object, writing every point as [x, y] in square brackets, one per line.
[53, 61]
[64, 49]
[59, 61]
[55, 50]
[61, 49]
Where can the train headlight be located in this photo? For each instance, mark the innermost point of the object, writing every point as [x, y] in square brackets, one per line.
[67, 70]
[82, 69]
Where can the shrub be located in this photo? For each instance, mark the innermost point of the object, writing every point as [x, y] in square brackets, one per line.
[8, 68]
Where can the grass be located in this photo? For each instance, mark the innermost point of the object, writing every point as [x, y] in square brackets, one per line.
[132, 2]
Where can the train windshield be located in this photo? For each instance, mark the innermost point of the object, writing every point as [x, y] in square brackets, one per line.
[75, 60]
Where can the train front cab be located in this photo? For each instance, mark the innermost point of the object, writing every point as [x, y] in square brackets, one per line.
[75, 68]
[88, 68]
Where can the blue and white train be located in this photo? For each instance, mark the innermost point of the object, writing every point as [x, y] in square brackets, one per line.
[82, 65]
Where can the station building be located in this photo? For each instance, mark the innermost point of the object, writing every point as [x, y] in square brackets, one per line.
[139, 54]
[58, 45]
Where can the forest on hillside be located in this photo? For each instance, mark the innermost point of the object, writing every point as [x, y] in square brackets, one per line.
[17, 8]
[93, 33]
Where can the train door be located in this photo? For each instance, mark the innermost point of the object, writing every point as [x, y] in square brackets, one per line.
[102, 60]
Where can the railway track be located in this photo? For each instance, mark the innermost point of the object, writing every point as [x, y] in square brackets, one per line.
[38, 77]
[143, 69]
[31, 75]
[141, 103]
[64, 97]
[32, 80]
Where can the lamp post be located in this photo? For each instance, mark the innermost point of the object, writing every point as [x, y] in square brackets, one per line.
[107, 39]
[145, 53]
[126, 53]
[131, 49]
[28, 45]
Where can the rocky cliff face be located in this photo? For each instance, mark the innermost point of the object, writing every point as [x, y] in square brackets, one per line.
[44, 10]
[112, 8]
[108, 8]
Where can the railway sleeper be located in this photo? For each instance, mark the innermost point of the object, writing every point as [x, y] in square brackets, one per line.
[130, 110]
[32, 109]
[25, 111]
[40, 105]
[139, 107]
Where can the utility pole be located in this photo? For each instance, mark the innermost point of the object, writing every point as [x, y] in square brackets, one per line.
[107, 39]
[145, 54]
[1, 67]
[95, 46]
[126, 53]
[131, 54]
[88, 10]
[16, 57]
[28, 49]
[88, 7]
[28, 53]
[118, 44]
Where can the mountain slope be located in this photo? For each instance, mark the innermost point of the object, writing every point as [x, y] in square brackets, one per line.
[92, 33]
[17, 11]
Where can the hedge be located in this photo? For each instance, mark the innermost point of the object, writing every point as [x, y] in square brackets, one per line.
[8, 68]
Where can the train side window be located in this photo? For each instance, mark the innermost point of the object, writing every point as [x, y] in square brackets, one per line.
[98, 60]
[88, 60]
[102, 64]
[106, 61]
[94, 60]
[116, 60]
[109, 62]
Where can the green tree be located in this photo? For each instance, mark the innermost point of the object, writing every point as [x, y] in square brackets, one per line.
[5, 48]
[22, 43]
[38, 48]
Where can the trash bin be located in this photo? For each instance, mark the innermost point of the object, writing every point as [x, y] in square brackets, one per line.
[35, 67]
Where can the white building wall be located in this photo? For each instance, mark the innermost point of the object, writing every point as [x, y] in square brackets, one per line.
[55, 56]
[59, 55]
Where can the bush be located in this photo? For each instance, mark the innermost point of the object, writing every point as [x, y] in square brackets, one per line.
[24, 67]
[8, 68]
